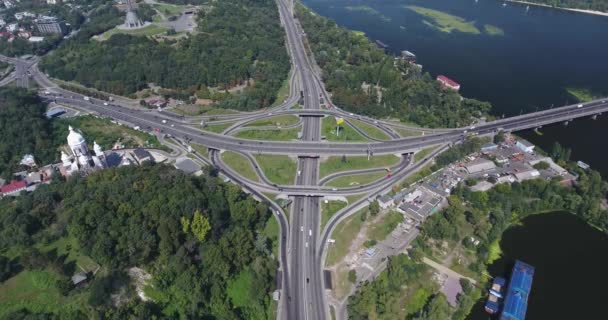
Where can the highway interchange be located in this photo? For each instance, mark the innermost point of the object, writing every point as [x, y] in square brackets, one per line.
[303, 245]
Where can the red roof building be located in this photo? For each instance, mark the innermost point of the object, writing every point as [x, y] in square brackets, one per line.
[13, 188]
[448, 83]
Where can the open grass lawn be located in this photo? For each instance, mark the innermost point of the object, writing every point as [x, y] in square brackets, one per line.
[69, 246]
[370, 130]
[271, 231]
[281, 120]
[277, 168]
[355, 179]
[217, 128]
[36, 291]
[282, 94]
[385, 226]
[344, 234]
[335, 163]
[346, 132]
[421, 173]
[407, 133]
[418, 156]
[105, 132]
[328, 209]
[200, 149]
[240, 164]
[168, 9]
[276, 134]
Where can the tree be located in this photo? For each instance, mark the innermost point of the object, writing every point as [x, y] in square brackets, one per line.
[200, 225]
[352, 276]
[542, 165]
[499, 137]
[374, 208]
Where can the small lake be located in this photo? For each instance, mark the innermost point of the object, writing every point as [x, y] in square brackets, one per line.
[570, 259]
[519, 60]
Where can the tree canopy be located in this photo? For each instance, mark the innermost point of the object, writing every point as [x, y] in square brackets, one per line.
[131, 216]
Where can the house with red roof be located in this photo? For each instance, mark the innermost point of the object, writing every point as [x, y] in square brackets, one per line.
[13, 188]
[448, 83]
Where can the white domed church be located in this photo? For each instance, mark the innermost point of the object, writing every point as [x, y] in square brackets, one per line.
[82, 160]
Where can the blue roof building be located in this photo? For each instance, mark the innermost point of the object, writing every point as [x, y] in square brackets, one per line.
[516, 301]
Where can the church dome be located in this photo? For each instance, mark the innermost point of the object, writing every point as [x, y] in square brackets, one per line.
[97, 149]
[75, 138]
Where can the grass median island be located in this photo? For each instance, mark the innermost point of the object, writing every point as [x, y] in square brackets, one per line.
[280, 120]
[423, 153]
[328, 209]
[407, 133]
[346, 132]
[217, 128]
[385, 226]
[370, 130]
[355, 179]
[279, 169]
[274, 134]
[339, 163]
[344, 234]
[240, 164]
[283, 93]
[201, 149]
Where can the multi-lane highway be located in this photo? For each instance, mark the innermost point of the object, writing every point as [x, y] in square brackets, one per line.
[302, 244]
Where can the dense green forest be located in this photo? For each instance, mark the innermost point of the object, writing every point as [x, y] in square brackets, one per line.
[598, 5]
[23, 129]
[238, 42]
[200, 239]
[348, 60]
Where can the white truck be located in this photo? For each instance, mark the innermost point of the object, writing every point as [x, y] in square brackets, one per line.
[86, 98]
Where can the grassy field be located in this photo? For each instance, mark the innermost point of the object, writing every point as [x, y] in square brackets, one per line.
[277, 135]
[281, 120]
[196, 109]
[423, 172]
[217, 128]
[385, 226]
[346, 132]
[445, 22]
[407, 133]
[271, 231]
[335, 163]
[36, 291]
[423, 153]
[168, 9]
[201, 149]
[370, 130]
[328, 209]
[344, 233]
[279, 169]
[282, 94]
[69, 246]
[105, 133]
[355, 180]
[240, 164]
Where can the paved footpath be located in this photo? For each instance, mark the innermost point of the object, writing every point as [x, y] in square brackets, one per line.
[443, 269]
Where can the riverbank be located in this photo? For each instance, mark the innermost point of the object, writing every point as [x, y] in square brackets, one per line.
[597, 13]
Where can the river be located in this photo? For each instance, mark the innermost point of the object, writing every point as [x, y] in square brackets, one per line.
[523, 61]
[570, 261]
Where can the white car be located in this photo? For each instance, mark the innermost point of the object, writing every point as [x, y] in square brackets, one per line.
[105, 103]
[580, 105]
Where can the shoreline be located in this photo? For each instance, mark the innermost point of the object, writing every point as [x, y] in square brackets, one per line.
[593, 12]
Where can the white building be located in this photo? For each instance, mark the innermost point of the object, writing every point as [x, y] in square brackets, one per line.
[479, 165]
[8, 4]
[82, 159]
[524, 146]
[12, 27]
[2, 23]
[51, 1]
[21, 15]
